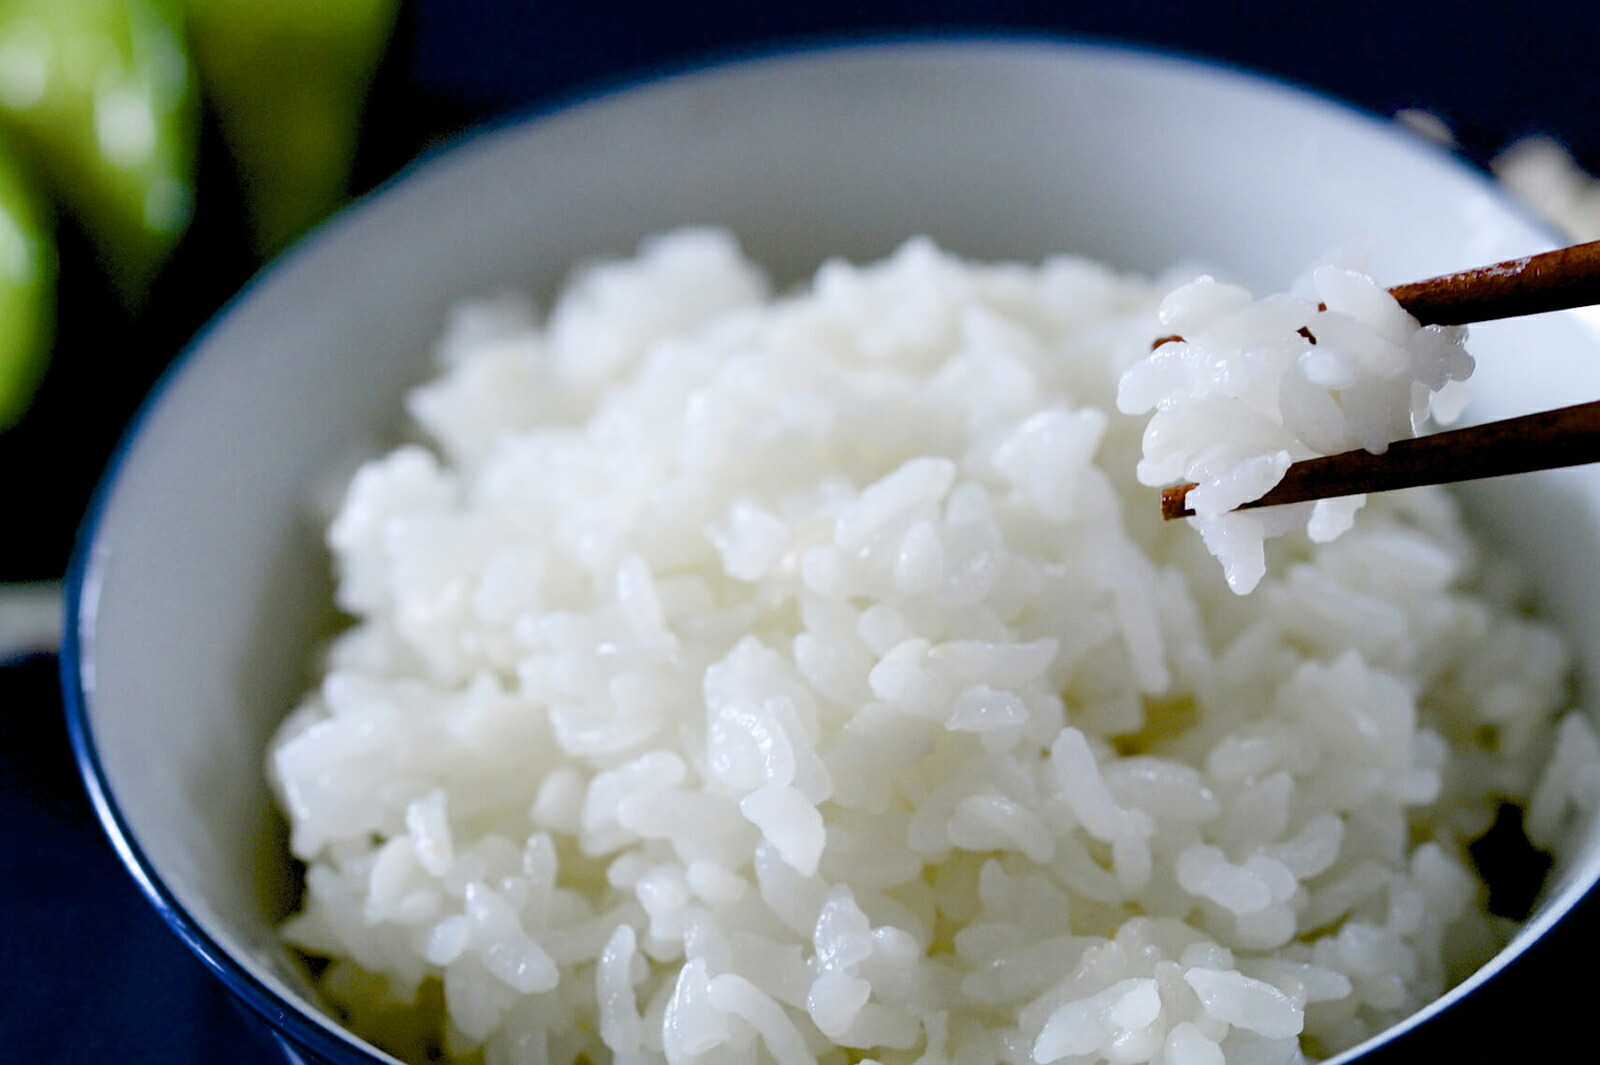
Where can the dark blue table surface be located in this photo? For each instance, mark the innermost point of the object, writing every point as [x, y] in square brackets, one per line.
[88, 973]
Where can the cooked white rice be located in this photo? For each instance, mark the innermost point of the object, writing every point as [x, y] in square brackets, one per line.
[1242, 387]
[746, 680]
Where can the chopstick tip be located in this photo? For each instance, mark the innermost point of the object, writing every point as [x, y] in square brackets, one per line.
[1175, 502]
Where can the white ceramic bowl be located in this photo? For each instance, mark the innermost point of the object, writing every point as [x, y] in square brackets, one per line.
[200, 585]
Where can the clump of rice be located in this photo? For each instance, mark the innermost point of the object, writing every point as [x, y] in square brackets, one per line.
[739, 679]
[1242, 387]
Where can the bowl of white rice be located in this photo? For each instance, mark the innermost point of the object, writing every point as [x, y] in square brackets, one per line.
[669, 581]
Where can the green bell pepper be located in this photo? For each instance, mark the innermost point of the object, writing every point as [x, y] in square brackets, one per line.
[288, 80]
[101, 93]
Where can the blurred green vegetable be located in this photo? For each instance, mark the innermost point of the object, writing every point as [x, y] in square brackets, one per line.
[101, 93]
[27, 289]
[288, 79]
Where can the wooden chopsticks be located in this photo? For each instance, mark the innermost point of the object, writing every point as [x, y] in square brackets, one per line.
[1556, 280]
[1548, 440]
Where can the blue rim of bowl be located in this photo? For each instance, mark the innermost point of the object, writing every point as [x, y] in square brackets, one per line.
[308, 1028]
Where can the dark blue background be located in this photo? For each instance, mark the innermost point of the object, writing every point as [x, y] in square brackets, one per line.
[87, 971]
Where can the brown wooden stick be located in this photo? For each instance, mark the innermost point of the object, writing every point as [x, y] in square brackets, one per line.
[1569, 436]
[1554, 281]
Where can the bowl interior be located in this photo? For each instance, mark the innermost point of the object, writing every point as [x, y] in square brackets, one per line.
[201, 587]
